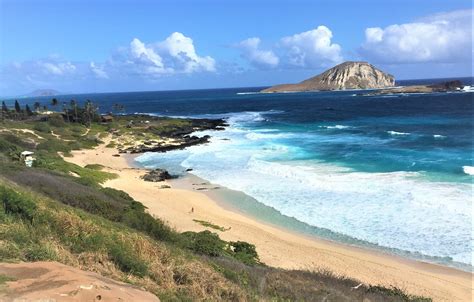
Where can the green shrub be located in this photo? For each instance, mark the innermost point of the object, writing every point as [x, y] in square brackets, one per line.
[16, 204]
[204, 243]
[114, 193]
[7, 147]
[97, 167]
[42, 127]
[56, 121]
[244, 252]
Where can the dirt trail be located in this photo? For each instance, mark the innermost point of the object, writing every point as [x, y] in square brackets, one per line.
[52, 281]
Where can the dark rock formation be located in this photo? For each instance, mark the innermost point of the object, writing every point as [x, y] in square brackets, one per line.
[439, 87]
[157, 175]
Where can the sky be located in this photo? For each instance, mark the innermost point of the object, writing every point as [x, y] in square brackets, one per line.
[133, 45]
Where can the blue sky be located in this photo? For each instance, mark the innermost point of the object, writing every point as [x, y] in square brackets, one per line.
[98, 46]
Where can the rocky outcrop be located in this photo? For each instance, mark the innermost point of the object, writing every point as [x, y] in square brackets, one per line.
[449, 86]
[157, 175]
[348, 75]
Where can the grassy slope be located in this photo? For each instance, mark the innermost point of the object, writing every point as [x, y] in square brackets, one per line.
[47, 214]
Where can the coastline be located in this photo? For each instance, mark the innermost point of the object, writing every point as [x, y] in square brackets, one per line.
[277, 246]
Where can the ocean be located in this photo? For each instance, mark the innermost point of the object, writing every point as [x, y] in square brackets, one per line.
[391, 172]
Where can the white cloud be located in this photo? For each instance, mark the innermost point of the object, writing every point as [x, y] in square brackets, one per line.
[174, 55]
[98, 71]
[55, 68]
[259, 58]
[445, 38]
[312, 49]
[182, 54]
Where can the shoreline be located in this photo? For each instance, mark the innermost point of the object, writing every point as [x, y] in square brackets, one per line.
[277, 246]
[220, 196]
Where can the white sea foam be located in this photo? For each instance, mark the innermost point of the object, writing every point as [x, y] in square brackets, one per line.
[469, 170]
[340, 127]
[250, 92]
[398, 210]
[396, 133]
[439, 136]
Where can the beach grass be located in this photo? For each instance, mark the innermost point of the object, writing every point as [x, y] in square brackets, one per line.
[211, 225]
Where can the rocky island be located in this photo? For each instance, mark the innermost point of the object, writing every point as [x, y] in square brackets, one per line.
[348, 75]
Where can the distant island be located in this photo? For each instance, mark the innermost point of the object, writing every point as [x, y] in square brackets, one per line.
[43, 92]
[348, 75]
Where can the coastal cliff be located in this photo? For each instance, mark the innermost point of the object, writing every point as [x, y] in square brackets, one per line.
[348, 75]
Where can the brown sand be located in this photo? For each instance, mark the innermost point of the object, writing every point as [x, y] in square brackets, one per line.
[278, 247]
[52, 281]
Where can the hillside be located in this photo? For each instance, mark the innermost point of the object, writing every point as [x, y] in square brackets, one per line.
[348, 75]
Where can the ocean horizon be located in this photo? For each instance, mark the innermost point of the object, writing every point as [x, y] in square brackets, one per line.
[389, 172]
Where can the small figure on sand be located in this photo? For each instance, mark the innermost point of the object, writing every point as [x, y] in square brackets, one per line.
[192, 210]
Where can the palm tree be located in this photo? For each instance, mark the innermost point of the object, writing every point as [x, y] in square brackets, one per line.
[37, 106]
[88, 109]
[73, 105]
[66, 111]
[54, 102]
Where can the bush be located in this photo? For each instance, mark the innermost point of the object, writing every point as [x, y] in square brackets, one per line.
[42, 127]
[244, 252]
[126, 259]
[97, 167]
[56, 121]
[16, 204]
[204, 243]
[7, 147]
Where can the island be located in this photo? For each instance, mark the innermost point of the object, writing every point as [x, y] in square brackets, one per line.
[348, 75]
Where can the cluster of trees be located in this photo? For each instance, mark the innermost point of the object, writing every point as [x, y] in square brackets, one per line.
[72, 112]
[17, 112]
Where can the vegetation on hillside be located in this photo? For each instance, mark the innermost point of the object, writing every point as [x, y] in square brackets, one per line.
[61, 212]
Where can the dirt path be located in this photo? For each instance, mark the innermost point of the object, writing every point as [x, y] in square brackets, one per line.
[52, 281]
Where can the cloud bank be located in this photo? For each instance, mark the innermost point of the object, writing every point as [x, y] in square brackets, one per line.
[441, 38]
[309, 49]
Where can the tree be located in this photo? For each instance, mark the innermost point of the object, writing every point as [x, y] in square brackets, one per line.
[54, 102]
[28, 110]
[66, 111]
[73, 105]
[4, 110]
[17, 106]
[88, 112]
[37, 106]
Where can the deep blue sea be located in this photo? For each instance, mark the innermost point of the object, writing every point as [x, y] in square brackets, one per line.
[394, 172]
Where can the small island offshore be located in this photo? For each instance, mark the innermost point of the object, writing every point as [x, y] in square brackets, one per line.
[361, 76]
[76, 211]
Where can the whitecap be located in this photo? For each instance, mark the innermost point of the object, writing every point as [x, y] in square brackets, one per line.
[395, 133]
[339, 127]
[439, 136]
[469, 170]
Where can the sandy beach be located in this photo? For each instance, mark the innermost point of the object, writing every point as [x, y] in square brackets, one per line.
[276, 246]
